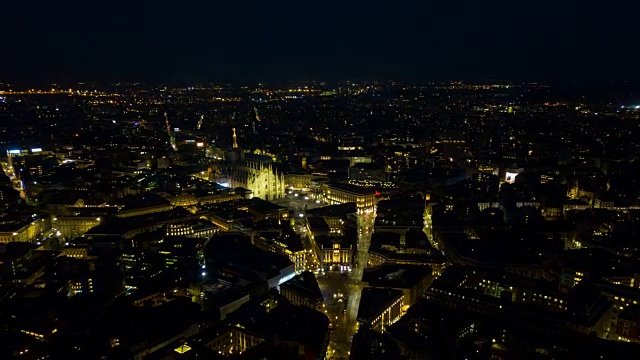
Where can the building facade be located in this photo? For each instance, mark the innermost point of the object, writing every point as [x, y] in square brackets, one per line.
[343, 193]
[259, 177]
[380, 308]
[25, 229]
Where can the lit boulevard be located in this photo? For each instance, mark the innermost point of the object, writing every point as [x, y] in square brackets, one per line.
[342, 292]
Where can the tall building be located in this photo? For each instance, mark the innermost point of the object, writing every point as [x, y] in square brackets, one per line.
[258, 175]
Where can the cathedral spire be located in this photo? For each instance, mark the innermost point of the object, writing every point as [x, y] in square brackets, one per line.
[235, 139]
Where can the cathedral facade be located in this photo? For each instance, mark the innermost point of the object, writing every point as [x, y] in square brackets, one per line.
[258, 175]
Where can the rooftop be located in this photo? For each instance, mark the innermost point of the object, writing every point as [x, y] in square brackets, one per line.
[139, 201]
[397, 276]
[334, 210]
[352, 189]
[374, 301]
[630, 313]
[262, 206]
[317, 223]
[326, 241]
[305, 284]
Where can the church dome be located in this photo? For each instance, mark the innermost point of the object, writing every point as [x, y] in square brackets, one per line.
[184, 199]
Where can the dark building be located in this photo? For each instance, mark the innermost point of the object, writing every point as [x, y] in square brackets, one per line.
[303, 290]
[380, 308]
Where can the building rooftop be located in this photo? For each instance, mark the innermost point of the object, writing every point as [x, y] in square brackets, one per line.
[232, 215]
[119, 226]
[236, 251]
[374, 301]
[147, 199]
[396, 276]
[290, 241]
[14, 250]
[630, 313]
[352, 189]
[317, 224]
[333, 210]
[305, 284]
[327, 241]
[10, 224]
[184, 199]
[261, 206]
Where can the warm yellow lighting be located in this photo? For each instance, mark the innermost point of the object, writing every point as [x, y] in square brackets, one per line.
[182, 349]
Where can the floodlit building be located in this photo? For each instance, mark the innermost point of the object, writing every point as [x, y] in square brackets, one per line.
[23, 228]
[258, 175]
[335, 252]
[344, 193]
[192, 228]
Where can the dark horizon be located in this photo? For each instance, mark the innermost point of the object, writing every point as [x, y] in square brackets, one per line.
[259, 42]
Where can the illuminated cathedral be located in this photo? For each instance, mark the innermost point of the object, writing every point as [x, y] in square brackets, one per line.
[257, 174]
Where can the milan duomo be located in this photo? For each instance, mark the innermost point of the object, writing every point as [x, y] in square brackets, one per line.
[257, 174]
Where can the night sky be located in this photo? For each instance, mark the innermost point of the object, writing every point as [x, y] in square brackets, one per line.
[329, 40]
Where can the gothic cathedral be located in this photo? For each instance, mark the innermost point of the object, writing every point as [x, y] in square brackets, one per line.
[258, 175]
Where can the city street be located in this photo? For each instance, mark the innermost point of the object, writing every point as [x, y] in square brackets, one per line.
[17, 185]
[297, 204]
[342, 293]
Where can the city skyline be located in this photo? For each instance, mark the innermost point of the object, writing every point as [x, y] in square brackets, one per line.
[330, 180]
[355, 220]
